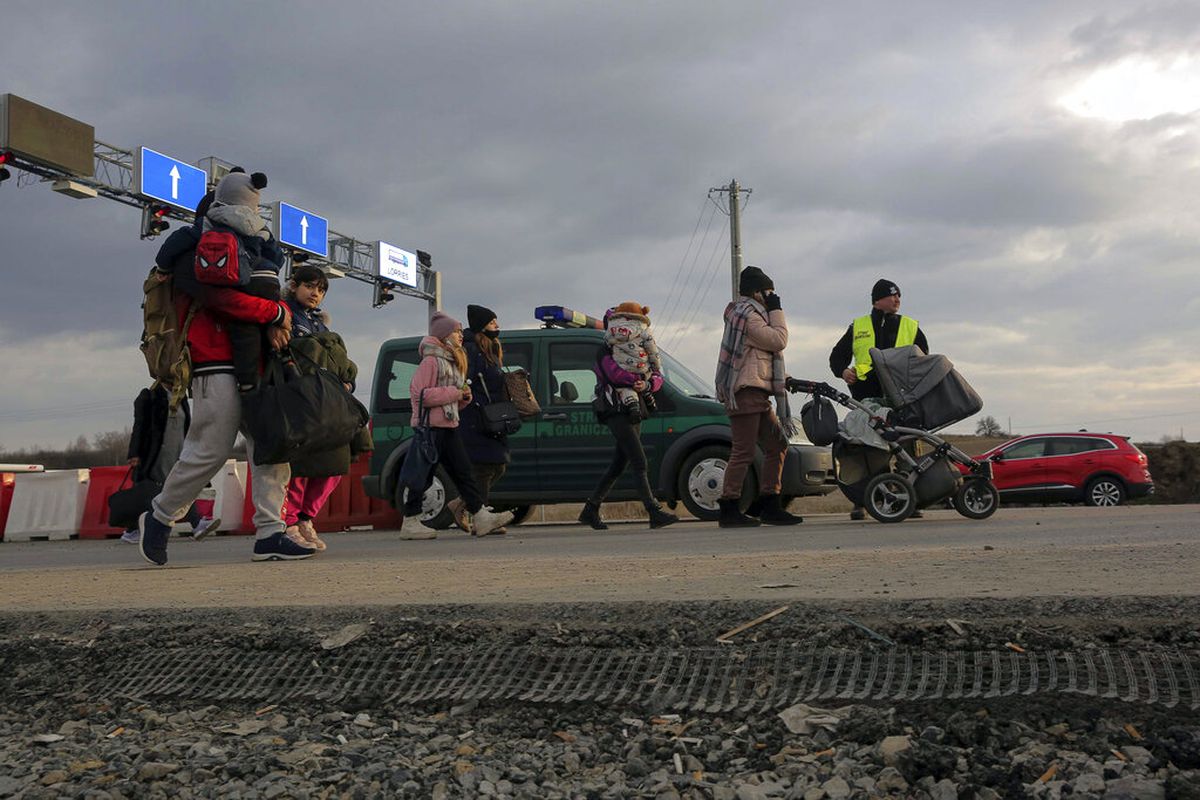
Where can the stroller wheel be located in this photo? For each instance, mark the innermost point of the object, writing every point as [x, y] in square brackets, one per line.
[890, 497]
[976, 499]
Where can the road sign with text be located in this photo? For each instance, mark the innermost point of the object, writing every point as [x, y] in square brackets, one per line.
[160, 177]
[301, 229]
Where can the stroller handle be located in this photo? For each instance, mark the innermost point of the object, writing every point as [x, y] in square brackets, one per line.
[812, 387]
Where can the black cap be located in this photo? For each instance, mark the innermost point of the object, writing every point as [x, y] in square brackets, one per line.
[884, 288]
[478, 317]
[753, 280]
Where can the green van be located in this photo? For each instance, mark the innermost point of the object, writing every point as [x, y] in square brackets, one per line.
[560, 455]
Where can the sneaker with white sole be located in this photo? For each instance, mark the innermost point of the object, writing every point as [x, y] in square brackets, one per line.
[486, 521]
[153, 537]
[205, 527]
[309, 532]
[131, 536]
[413, 528]
[278, 547]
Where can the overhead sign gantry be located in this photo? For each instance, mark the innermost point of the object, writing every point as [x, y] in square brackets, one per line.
[46, 146]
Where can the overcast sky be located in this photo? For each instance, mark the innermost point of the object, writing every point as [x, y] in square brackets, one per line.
[1027, 172]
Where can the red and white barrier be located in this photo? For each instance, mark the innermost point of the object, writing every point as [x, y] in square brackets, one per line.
[47, 505]
[230, 485]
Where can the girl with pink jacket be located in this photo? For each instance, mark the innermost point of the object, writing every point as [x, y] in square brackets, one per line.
[440, 385]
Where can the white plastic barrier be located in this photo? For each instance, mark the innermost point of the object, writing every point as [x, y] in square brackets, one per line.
[230, 486]
[47, 505]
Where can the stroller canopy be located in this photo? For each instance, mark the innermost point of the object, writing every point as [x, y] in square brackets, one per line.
[926, 391]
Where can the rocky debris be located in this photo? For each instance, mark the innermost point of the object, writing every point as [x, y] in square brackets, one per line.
[73, 743]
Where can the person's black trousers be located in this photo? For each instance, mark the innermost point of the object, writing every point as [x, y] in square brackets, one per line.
[629, 452]
[452, 456]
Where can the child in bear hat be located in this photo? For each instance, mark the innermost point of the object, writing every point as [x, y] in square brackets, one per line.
[627, 333]
[235, 208]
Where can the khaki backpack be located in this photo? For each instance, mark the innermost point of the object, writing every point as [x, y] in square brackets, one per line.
[164, 344]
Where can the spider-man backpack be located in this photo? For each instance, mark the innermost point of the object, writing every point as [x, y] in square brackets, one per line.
[222, 259]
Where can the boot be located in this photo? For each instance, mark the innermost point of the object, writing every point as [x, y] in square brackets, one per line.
[591, 516]
[773, 512]
[660, 518]
[731, 517]
[458, 510]
[485, 521]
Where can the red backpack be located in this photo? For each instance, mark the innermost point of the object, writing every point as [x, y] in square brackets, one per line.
[222, 260]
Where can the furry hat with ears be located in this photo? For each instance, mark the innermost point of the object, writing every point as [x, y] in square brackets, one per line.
[630, 309]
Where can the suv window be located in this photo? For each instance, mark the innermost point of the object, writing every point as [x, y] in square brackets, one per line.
[572, 381]
[1030, 448]
[1072, 445]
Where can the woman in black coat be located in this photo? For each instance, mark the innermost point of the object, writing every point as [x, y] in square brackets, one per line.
[485, 368]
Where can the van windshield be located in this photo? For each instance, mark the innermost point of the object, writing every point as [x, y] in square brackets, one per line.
[684, 379]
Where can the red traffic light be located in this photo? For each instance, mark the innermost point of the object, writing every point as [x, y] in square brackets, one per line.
[5, 157]
[161, 211]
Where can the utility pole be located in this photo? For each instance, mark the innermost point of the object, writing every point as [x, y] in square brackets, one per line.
[735, 230]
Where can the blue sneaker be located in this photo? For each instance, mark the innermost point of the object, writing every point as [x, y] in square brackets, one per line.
[278, 547]
[153, 539]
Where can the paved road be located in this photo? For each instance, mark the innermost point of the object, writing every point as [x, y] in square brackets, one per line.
[1148, 550]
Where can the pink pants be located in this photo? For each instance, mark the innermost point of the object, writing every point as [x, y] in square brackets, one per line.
[307, 496]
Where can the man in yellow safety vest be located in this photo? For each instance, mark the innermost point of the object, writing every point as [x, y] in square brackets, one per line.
[883, 328]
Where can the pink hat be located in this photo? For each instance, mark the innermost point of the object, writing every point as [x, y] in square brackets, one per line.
[442, 325]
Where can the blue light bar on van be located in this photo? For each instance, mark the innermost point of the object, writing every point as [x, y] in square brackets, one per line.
[562, 317]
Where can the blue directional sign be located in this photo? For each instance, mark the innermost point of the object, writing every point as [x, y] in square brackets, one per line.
[301, 229]
[170, 180]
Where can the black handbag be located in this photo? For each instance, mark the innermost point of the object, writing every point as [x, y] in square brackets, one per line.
[416, 473]
[292, 413]
[500, 418]
[126, 505]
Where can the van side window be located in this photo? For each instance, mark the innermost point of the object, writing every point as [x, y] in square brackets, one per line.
[572, 380]
[518, 356]
[393, 389]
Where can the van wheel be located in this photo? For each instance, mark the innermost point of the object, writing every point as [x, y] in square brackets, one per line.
[1104, 491]
[701, 478]
[434, 512]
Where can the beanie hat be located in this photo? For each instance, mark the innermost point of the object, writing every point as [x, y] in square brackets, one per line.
[442, 325]
[240, 189]
[478, 317]
[753, 280]
[884, 288]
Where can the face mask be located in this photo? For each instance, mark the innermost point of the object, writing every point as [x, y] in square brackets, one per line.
[492, 334]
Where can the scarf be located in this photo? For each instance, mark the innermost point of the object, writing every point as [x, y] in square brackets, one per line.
[448, 373]
[733, 352]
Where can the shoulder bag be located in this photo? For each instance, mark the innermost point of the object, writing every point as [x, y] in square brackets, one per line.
[416, 473]
[520, 393]
[500, 418]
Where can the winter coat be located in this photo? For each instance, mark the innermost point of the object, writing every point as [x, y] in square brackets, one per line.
[434, 389]
[208, 336]
[610, 375]
[766, 334]
[151, 409]
[486, 379]
[307, 321]
[326, 350]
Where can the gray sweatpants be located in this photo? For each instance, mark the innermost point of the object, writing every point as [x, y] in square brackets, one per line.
[216, 419]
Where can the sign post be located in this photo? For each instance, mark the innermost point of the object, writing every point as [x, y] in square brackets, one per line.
[168, 180]
[300, 229]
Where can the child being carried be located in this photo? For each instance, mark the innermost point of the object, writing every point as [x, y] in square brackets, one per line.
[633, 348]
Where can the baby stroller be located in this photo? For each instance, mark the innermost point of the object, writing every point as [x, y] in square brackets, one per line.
[924, 395]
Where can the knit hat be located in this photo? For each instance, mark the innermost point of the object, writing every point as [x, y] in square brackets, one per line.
[753, 280]
[479, 317]
[884, 288]
[240, 189]
[442, 325]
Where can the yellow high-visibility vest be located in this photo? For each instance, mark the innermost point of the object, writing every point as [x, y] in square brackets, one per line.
[864, 340]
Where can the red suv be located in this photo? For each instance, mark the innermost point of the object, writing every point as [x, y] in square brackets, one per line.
[1099, 469]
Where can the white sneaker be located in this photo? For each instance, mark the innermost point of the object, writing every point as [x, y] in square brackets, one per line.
[486, 521]
[206, 526]
[413, 528]
[131, 536]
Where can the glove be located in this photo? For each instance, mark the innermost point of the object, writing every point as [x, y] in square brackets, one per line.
[772, 302]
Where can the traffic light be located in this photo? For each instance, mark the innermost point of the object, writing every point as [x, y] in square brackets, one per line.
[154, 221]
[5, 157]
[383, 294]
[299, 256]
[424, 259]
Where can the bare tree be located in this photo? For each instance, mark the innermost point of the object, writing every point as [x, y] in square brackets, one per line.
[988, 426]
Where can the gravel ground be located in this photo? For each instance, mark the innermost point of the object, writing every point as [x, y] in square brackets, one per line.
[59, 739]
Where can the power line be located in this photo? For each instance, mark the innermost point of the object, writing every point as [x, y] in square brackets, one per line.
[671, 311]
[682, 261]
[697, 299]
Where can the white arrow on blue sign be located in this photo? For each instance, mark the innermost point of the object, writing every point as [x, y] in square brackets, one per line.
[301, 229]
[169, 180]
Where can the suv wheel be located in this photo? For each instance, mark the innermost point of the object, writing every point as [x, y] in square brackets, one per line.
[700, 480]
[1104, 491]
[434, 511]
